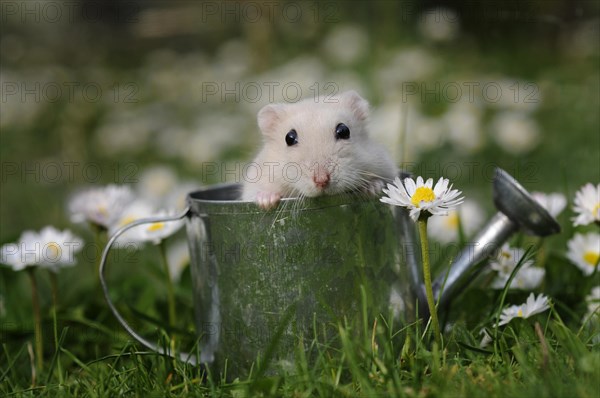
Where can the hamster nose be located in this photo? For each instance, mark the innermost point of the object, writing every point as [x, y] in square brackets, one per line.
[321, 179]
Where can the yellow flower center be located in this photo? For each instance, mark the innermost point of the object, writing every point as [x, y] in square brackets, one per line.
[520, 313]
[54, 249]
[596, 209]
[156, 226]
[127, 220]
[452, 220]
[591, 258]
[422, 194]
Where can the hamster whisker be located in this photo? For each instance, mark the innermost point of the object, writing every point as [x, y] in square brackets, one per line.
[301, 201]
[362, 184]
[279, 210]
[370, 174]
[297, 204]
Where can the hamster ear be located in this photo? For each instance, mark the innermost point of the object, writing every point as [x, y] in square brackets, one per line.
[269, 118]
[359, 105]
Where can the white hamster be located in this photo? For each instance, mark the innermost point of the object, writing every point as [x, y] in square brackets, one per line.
[316, 147]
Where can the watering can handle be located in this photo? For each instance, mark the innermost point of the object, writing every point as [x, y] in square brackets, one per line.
[183, 356]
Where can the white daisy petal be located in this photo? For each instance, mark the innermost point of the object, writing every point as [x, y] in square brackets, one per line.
[554, 202]
[100, 206]
[587, 205]
[584, 251]
[508, 314]
[410, 185]
[445, 229]
[440, 186]
[527, 278]
[178, 257]
[531, 307]
[593, 302]
[415, 213]
[486, 339]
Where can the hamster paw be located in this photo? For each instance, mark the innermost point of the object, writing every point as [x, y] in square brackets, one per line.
[267, 200]
[375, 186]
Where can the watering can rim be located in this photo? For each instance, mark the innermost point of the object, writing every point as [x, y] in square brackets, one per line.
[222, 198]
[233, 190]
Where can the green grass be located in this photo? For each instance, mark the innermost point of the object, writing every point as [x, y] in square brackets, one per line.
[549, 355]
[555, 363]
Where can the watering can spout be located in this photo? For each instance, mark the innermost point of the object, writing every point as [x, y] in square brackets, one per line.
[517, 210]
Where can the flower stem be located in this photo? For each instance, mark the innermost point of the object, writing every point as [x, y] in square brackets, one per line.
[100, 237]
[170, 290]
[54, 286]
[427, 277]
[37, 319]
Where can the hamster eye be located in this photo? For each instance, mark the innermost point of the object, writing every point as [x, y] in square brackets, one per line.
[342, 132]
[291, 138]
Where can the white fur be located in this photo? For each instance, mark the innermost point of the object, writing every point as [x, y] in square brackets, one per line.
[288, 171]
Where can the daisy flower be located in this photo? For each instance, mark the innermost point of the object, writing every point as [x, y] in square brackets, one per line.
[587, 205]
[155, 183]
[593, 301]
[516, 132]
[531, 307]
[152, 232]
[554, 202]
[527, 278]
[100, 206]
[178, 257]
[49, 248]
[421, 197]
[507, 259]
[591, 318]
[444, 229]
[158, 231]
[134, 211]
[176, 199]
[584, 251]
[486, 339]
[424, 200]
[439, 24]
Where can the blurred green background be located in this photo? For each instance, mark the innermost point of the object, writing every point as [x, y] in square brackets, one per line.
[101, 92]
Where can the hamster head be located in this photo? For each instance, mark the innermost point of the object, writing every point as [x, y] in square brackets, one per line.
[317, 146]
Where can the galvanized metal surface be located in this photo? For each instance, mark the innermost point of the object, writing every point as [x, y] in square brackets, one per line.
[317, 257]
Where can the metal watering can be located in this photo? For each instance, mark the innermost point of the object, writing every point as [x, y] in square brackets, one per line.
[262, 280]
